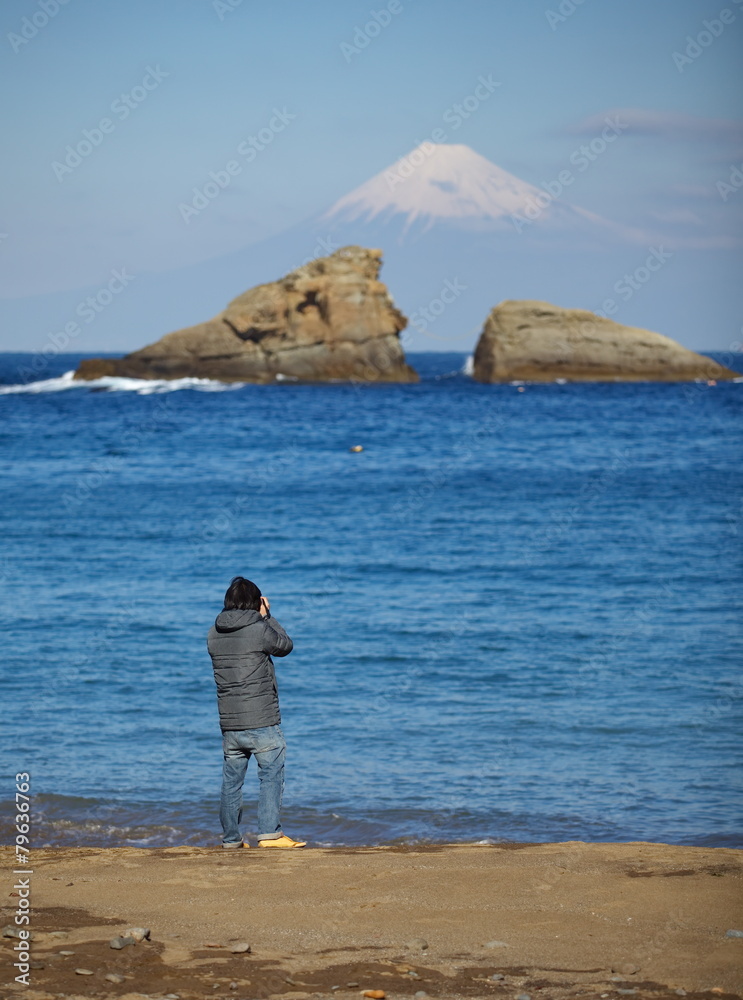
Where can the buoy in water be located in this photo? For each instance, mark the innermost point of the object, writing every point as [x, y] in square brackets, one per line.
[356, 447]
[521, 388]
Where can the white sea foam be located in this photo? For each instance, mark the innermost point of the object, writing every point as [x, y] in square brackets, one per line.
[468, 368]
[110, 383]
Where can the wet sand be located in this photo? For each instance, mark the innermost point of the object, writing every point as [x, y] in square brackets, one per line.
[554, 920]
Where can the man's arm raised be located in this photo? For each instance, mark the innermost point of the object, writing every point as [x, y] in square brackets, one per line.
[275, 640]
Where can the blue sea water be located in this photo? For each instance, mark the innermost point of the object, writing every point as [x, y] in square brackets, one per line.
[515, 612]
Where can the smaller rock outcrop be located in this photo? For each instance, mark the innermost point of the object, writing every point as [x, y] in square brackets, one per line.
[538, 342]
[330, 320]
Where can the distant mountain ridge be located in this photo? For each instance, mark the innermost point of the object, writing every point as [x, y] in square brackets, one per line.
[435, 182]
[442, 183]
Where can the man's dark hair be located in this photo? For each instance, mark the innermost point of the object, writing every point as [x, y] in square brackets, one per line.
[242, 595]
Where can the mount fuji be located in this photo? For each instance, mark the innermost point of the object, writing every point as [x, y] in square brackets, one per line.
[438, 184]
[435, 183]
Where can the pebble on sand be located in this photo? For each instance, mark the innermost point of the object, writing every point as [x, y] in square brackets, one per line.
[240, 948]
[420, 994]
[114, 977]
[374, 994]
[138, 933]
[121, 942]
[497, 976]
[524, 996]
[733, 933]
[84, 972]
[11, 931]
[419, 944]
[495, 944]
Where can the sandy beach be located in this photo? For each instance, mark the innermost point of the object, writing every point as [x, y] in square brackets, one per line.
[546, 920]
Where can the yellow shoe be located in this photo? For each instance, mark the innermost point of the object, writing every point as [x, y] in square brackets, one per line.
[282, 842]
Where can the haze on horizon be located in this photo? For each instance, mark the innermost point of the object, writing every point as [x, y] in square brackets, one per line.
[164, 141]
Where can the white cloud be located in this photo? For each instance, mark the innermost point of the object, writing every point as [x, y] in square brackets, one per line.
[665, 125]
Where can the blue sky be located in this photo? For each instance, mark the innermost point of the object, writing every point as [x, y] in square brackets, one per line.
[219, 72]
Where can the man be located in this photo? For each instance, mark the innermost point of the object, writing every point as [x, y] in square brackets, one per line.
[241, 643]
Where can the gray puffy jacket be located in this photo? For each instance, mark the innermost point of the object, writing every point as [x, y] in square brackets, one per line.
[241, 644]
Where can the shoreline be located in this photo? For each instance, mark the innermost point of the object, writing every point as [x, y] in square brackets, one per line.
[553, 920]
[402, 845]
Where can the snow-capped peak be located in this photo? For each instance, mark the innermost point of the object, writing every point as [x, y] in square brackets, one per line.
[438, 181]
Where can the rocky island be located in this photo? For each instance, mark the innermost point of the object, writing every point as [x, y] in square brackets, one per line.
[331, 319]
[538, 342]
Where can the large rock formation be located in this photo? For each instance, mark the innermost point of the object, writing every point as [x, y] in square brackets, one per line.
[539, 342]
[330, 319]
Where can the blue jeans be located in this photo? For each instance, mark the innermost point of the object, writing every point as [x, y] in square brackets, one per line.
[268, 746]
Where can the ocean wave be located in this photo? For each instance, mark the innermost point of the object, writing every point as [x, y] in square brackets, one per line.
[111, 383]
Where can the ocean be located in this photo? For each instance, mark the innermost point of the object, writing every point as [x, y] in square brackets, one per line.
[515, 612]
